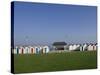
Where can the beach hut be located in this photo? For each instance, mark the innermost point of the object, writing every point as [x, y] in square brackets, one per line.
[84, 47]
[74, 47]
[90, 47]
[21, 50]
[32, 50]
[14, 51]
[29, 49]
[41, 49]
[70, 47]
[78, 46]
[26, 50]
[17, 50]
[81, 47]
[37, 50]
[46, 49]
[94, 47]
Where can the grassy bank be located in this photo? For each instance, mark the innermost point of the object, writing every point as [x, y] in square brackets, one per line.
[55, 61]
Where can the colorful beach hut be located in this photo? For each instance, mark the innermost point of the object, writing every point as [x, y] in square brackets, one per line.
[37, 50]
[32, 50]
[22, 50]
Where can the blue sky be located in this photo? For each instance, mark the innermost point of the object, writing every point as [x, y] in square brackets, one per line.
[43, 24]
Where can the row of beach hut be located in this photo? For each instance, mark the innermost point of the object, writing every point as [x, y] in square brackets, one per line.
[46, 49]
[31, 50]
[84, 47]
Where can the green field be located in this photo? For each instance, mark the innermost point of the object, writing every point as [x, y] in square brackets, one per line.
[55, 61]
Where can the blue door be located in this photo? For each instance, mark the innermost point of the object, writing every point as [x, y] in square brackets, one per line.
[37, 51]
[17, 51]
[45, 50]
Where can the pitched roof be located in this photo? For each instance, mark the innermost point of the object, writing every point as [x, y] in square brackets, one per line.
[59, 43]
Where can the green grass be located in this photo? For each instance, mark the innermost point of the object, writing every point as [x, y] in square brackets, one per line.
[55, 61]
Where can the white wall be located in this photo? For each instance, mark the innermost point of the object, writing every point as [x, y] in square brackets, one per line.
[95, 47]
[84, 47]
[26, 50]
[14, 51]
[70, 47]
[74, 47]
[20, 52]
[90, 47]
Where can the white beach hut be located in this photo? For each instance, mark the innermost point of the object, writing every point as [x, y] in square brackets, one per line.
[81, 47]
[74, 47]
[41, 49]
[70, 47]
[14, 51]
[90, 47]
[26, 50]
[85, 47]
[20, 50]
[29, 50]
[46, 49]
[94, 47]
[77, 47]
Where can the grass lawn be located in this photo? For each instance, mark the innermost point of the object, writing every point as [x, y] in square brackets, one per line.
[55, 61]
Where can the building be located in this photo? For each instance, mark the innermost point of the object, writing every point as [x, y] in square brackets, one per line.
[74, 47]
[17, 50]
[37, 50]
[14, 51]
[94, 47]
[32, 50]
[85, 46]
[56, 47]
[59, 45]
[22, 50]
[46, 49]
[90, 47]
[70, 47]
[26, 50]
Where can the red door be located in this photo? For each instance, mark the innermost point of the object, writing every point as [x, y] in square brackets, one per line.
[32, 50]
